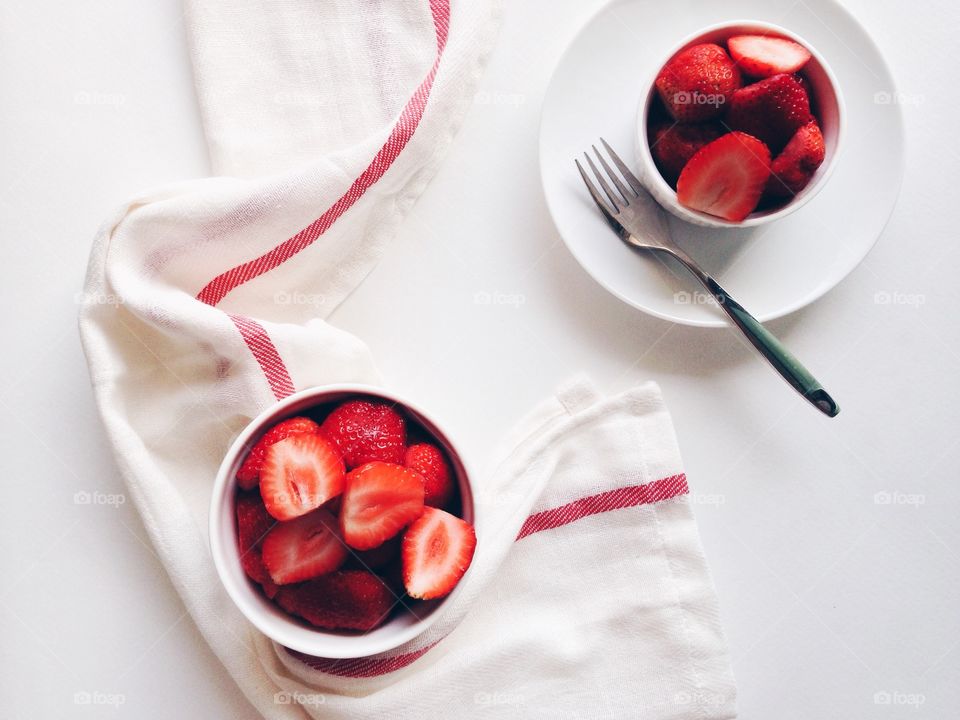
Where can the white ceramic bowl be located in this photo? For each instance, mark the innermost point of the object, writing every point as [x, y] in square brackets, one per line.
[827, 100]
[267, 616]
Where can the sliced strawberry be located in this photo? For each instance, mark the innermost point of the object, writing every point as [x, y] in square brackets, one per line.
[304, 548]
[344, 600]
[696, 84]
[771, 110]
[429, 461]
[792, 169]
[249, 473]
[437, 550]
[673, 144]
[299, 474]
[763, 56]
[379, 500]
[726, 178]
[365, 431]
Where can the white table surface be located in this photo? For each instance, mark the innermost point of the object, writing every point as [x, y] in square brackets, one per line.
[834, 601]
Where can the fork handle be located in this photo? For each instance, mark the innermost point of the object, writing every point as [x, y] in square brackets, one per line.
[782, 360]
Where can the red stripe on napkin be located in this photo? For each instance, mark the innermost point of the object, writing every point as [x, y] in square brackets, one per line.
[604, 502]
[253, 333]
[266, 355]
[361, 667]
[630, 496]
[410, 118]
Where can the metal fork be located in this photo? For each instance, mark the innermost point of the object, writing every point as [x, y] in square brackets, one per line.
[640, 222]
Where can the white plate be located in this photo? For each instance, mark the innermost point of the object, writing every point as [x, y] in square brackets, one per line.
[771, 270]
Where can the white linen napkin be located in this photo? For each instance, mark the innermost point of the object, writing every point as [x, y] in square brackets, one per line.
[204, 302]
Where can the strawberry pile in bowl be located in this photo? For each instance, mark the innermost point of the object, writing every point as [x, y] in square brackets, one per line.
[740, 126]
[342, 519]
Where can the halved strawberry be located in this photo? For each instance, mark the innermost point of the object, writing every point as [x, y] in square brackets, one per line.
[771, 110]
[437, 550]
[763, 56]
[249, 473]
[726, 178]
[299, 474]
[343, 600]
[379, 500]
[792, 169]
[365, 431]
[429, 461]
[304, 548]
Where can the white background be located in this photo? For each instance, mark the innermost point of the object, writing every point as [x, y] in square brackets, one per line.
[828, 596]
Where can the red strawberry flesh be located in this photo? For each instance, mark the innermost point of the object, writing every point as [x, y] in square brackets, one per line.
[304, 548]
[726, 178]
[762, 56]
[379, 500]
[437, 550]
[249, 473]
[299, 474]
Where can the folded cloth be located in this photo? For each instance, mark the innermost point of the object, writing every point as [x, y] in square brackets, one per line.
[205, 301]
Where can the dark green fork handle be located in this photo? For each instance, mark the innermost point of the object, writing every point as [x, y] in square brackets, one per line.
[765, 341]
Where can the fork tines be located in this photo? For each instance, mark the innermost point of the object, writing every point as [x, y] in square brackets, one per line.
[627, 191]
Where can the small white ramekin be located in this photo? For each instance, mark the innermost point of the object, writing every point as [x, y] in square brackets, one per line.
[827, 100]
[266, 615]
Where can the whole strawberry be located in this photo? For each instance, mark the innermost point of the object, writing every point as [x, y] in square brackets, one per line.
[347, 599]
[253, 525]
[698, 82]
[253, 520]
[428, 460]
[792, 169]
[365, 431]
[771, 110]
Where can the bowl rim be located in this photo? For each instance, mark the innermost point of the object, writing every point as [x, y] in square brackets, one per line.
[663, 190]
[292, 633]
